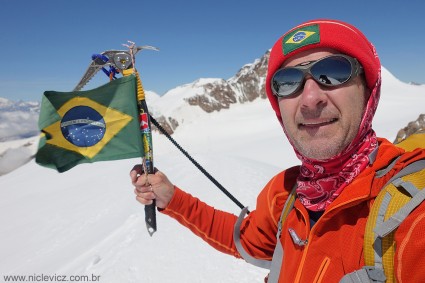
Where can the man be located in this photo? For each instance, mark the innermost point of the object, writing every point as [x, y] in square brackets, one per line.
[323, 82]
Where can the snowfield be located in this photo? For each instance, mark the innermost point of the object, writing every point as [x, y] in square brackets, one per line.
[87, 222]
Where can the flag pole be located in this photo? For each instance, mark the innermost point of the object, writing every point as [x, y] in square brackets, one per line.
[146, 135]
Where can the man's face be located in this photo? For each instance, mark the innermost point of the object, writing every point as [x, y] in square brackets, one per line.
[321, 121]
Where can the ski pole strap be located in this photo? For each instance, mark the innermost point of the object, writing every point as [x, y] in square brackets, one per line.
[276, 263]
[244, 254]
[202, 169]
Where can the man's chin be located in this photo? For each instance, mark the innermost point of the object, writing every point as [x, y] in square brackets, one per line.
[319, 151]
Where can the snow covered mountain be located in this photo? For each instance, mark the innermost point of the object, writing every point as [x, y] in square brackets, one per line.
[18, 128]
[210, 95]
[18, 120]
[180, 105]
[86, 222]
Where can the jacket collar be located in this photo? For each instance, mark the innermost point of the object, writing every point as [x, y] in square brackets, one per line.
[367, 185]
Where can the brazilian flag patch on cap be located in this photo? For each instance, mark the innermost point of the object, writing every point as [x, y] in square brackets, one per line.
[300, 37]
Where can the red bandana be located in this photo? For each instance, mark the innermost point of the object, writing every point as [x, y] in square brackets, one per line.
[321, 181]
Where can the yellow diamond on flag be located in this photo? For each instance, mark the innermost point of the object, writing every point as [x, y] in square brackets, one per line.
[85, 126]
[300, 36]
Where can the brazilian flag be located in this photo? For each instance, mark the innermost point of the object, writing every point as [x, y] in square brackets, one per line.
[89, 126]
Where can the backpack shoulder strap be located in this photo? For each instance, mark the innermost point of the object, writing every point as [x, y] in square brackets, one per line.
[398, 198]
[410, 180]
[402, 194]
[278, 251]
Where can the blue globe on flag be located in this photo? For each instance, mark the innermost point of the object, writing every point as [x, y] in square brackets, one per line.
[83, 126]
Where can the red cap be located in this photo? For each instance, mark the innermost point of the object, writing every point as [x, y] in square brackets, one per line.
[337, 35]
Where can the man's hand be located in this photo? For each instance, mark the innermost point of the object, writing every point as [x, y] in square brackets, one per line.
[151, 186]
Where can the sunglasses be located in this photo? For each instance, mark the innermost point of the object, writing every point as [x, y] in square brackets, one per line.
[330, 71]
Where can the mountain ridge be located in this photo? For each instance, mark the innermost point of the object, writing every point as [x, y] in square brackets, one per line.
[179, 105]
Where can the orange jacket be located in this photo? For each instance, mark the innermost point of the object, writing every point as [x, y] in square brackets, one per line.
[335, 242]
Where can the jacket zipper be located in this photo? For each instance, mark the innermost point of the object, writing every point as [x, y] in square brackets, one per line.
[308, 240]
[322, 270]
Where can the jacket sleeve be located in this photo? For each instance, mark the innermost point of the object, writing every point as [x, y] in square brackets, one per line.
[258, 229]
[212, 225]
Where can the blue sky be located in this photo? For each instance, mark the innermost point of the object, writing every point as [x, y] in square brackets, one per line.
[47, 44]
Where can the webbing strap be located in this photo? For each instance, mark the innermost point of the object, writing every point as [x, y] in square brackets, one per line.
[377, 243]
[387, 169]
[409, 187]
[394, 221]
[277, 259]
[365, 275]
[384, 228]
[409, 169]
[276, 263]
[237, 239]
[278, 252]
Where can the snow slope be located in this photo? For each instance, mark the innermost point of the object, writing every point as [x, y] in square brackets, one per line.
[87, 222]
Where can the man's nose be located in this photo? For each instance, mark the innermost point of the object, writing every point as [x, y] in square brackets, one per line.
[312, 95]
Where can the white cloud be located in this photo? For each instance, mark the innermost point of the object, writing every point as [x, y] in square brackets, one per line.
[18, 124]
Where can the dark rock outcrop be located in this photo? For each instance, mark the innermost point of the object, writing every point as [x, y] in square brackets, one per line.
[412, 127]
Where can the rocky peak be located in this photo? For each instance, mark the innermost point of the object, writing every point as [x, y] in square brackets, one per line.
[412, 127]
[214, 95]
[246, 85]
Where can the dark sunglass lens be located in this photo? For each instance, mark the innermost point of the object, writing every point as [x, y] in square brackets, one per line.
[332, 71]
[286, 81]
